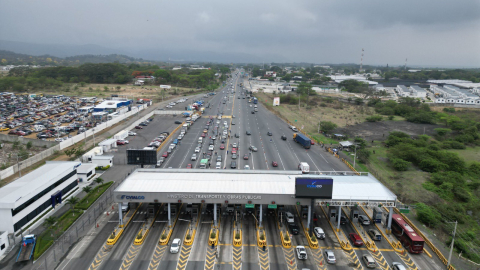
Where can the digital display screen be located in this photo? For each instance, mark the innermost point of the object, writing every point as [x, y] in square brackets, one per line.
[313, 188]
[141, 156]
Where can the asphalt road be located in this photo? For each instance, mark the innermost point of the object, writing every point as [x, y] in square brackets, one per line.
[237, 112]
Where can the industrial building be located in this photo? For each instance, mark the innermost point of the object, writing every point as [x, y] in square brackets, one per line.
[452, 94]
[413, 91]
[115, 105]
[23, 200]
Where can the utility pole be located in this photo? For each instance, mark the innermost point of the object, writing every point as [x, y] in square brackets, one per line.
[354, 156]
[451, 247]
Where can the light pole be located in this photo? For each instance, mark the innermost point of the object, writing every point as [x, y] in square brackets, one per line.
[451, 247]
[354, 156]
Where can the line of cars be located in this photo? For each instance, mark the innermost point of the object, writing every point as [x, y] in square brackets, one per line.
[173, 103]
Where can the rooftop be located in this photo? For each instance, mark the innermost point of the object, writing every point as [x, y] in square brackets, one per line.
[26, 187]
[345, 187]
[102, 157]
[86, 167]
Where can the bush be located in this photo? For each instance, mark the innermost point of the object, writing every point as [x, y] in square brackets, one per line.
[427, 215]
[213, 235]
[163, 236]
[237, 235]
[374, 118]
[399, 164]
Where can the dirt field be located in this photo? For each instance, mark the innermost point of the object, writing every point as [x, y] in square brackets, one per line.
[379, 131]
[8, 154]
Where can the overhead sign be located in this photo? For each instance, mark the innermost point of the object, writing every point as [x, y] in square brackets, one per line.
[141, 157]
[276, 101]
[317, 188]
[165, 86]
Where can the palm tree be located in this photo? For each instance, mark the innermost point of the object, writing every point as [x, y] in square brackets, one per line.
[49, 221]
[99, 181]
[73, 201]
[87, 190]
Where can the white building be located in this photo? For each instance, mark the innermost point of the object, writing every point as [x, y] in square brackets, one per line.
[453, 94]
[413, 91]
[23, 200]
[86, 171]
[108, 144]
[340, 78]
[3, 242]
[96, 151]
[103, 160]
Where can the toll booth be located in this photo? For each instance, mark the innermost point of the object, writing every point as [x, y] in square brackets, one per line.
[304, 211]
[151, 210]
[377, 214]
[332, 214]
[173, 209]
[195, 209]
[354, 212]
[271, 209]
[249, 209]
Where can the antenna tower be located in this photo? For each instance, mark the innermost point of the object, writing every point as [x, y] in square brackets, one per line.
[405, 67]
[361, 61]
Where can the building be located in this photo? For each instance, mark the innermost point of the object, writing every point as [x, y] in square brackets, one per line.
[23, 200]
[272, 74]
[454, 95]
[96, 151]
[86, 171]
[338, 78]
[103, 161]
[114, 105]
[413, 91]
[107, 145]
[3, 242]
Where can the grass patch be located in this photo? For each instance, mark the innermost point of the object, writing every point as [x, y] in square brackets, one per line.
[91, 197]
[45, 239]
[322, 138]
[470, 154]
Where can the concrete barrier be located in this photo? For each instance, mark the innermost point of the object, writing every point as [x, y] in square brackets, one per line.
[285, 243]
[112, 240]
[260, 242]
[213, 240]
[237, 241]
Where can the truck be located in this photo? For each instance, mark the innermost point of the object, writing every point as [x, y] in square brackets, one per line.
[304, 167]
[26, 248]
[203, 163]
[303, 140]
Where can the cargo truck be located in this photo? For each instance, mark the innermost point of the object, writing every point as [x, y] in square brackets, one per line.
[303, 140]
[26, 248]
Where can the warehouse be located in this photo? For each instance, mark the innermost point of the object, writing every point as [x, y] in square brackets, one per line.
[29, 196]
[111, 106]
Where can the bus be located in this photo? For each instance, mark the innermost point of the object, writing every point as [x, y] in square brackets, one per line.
[407, 235]
[255, 100]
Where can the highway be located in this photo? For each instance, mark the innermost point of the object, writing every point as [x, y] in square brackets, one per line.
[243, 129]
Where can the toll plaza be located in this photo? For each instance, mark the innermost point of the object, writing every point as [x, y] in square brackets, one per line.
[251, 209]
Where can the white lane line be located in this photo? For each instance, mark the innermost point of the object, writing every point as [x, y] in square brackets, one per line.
[313, 162]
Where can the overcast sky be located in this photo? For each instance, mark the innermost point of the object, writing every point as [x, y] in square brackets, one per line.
[427, 32]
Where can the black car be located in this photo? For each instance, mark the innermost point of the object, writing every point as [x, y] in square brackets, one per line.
[233, 165]
[236, 135]
[248, 132]
[284, 137]
[143, 124]
[293, 228]
[269, 133]
[343, 220]
[253, 112]
[178, 122]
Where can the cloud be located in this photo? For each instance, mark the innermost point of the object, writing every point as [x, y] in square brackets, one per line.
[204, 17]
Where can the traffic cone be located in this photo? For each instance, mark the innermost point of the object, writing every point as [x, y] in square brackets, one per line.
[291, 261]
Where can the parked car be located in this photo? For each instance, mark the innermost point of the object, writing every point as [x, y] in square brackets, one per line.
[138, 127]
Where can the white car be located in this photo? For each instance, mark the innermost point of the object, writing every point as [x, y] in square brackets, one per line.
[329, 256]
[175, 247]
[246, 167]
[194, 157]
[210, 148]
[319, 233]
[130, 133]
[197, 150]
[234, 145]
[301, 252]
[364, 220]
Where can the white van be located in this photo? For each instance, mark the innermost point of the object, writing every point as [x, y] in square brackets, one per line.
[290, 217]
[219, 165]
[304, 167]
[200, 140]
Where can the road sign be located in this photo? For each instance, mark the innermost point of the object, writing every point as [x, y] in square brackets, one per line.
[295, 120]
[404, 210]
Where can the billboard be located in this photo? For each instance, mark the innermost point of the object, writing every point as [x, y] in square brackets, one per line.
[318, 188]
[141, 157]
[276, 101]
[165, 86]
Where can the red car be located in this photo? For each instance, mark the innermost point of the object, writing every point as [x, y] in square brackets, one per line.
[356, 240]
[203, 135]
[138, 127]
[165, 154]
[222, 146]
[274, 164]
[234, 150]
[312, 142]
[20, 133]
[245, 157]
[120, 142]
[189, 166]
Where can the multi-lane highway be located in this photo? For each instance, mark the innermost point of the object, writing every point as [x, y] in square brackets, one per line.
[229, 110]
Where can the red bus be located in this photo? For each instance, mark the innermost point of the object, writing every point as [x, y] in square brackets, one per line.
[407, 235]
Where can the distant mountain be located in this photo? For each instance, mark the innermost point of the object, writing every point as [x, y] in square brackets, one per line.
[150, 54]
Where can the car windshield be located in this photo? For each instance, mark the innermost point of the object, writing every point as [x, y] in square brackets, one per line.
[174, 245]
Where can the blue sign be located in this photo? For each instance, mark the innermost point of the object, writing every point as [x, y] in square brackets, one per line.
[313, 188]
[127, 197]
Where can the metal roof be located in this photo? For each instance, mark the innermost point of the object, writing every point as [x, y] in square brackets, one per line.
[86, 167]
[345, 187]
[29, 185]
[102, 157]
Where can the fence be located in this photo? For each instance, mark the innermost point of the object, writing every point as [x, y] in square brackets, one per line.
[52, 257]
[71, 141]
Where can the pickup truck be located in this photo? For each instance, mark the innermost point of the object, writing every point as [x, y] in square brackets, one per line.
[26, 248]
[301, 252]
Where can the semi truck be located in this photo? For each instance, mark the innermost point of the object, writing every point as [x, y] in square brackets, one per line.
[26, 248]
[303, 140]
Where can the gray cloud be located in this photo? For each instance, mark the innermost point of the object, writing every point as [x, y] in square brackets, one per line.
[427, 32]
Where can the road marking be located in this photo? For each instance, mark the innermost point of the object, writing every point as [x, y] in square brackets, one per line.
[263, 259]
[210, 258]
[237, 257]
[183, 258]
[318, 258]
[97, 261]
[130, 256]
[157, 257]
[289, 256]
[313, 162]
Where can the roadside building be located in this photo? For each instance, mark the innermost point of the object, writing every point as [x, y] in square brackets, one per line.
[108, 145]
[86, 171]
[23, 200]
[3, 242]
[103, 160]
[96, 151]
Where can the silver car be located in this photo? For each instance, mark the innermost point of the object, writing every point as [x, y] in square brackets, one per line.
[398, 266]
[364, 220]
[330, 256]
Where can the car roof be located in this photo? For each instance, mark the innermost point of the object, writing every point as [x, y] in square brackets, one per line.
[329, 252]
[318, 229]
[176, 240]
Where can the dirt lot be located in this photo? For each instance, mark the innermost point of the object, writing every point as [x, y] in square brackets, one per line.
[379, 131]
[8, 153]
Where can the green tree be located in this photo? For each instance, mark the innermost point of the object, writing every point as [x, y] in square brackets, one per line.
[29, 145]
[87, 190]
[50, 222]
[99, 181]
[72, 201]
[327, 126]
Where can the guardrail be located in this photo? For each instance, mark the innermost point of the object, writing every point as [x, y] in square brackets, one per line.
[429, 243]
[350, 166]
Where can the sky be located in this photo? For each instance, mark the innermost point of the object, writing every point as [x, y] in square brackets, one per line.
[426, 32]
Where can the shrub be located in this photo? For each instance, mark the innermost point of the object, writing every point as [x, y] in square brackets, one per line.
[427, 215]
[374, 118]
[213, 235]
[163, 236]
[262, 236]
[237, 235]
[399, 164]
